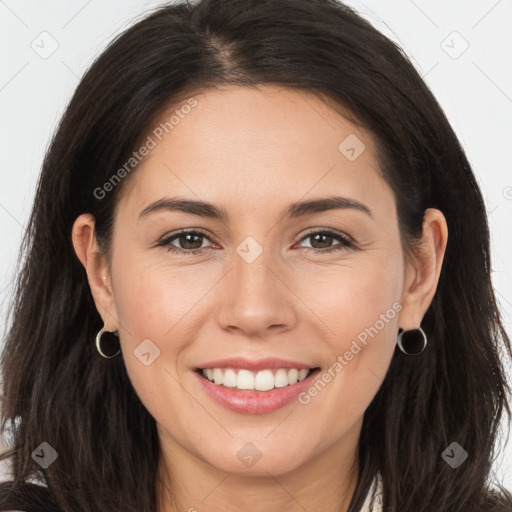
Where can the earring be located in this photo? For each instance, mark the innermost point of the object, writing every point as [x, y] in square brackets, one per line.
[412, 342]
[107, 343]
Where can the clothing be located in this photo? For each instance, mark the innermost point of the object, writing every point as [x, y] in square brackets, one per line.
[373, 502]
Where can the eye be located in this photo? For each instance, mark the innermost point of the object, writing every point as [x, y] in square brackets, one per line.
[190, 241]
[325, 238]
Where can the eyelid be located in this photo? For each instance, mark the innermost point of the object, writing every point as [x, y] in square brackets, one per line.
[175, 234]
[334, 232]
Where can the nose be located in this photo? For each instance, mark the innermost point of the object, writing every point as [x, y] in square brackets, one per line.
[256, 299]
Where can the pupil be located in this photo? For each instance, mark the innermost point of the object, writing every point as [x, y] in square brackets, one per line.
[329, 238]
[186, 237]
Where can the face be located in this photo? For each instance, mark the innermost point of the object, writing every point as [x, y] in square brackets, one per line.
[264, 295]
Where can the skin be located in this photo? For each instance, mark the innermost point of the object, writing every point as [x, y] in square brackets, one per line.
[288, 303]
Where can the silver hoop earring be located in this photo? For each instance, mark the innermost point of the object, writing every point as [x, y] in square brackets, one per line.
[107, 343]
[412, 342]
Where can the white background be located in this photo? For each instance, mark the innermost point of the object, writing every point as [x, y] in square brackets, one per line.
[473, 86]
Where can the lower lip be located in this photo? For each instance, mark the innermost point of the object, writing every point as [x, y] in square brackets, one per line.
[255, 402]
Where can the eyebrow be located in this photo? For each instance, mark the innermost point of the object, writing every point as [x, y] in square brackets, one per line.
[299, 209]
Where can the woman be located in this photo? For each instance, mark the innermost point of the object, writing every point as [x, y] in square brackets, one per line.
[175, 345]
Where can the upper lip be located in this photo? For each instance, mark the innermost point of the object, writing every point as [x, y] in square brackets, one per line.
[255, 364]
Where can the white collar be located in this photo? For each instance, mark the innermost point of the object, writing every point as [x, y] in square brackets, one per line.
[373, 501]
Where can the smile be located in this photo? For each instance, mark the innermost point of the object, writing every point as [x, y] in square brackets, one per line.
[263, 380]
[255, 392]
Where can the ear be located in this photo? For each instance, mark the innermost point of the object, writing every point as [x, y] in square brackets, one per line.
[423, 269]
[87, 249]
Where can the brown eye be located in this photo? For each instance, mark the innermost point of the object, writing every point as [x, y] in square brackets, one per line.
[321, 241]
[190, 241]
[187, 242]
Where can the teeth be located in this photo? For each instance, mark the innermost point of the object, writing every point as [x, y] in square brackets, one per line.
[264, 380]
[229, 379]
[218, 376]
[245, 380]
[303, 373]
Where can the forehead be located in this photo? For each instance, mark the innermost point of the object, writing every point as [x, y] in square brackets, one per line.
[249, 147]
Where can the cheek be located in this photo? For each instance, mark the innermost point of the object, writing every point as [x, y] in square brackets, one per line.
[154, 300]
[359, 311]
[152, 309]
[350, 299]
[157, 303]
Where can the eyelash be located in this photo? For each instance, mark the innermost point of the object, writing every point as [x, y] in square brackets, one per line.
[346, 242]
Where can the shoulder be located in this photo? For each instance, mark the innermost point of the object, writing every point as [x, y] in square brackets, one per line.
[26, 497]
[498, 501]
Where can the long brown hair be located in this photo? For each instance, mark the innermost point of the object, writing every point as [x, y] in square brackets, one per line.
[57, 389]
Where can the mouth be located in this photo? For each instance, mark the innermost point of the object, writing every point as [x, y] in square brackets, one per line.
[255, 391]
[262, 380]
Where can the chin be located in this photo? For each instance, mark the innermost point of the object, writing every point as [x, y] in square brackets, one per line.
[249, 461]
